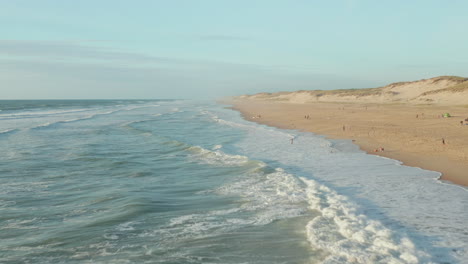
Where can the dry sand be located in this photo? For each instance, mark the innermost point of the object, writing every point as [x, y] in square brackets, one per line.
[413, 134]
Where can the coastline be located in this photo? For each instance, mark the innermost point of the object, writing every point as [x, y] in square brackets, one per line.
[416, 135]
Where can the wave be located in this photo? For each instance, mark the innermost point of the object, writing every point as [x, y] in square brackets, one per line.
[128, 124]
[9, 131]
[41, 113]
[139, 107]
[338, 227]
[350, 236]
[267, 194]
[248, 127]
[91, 116]
[272, 194]
[216, 156]
[51, 124]
[46, 113]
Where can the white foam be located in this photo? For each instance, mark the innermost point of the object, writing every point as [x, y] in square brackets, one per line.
[216, 157]
[272, 196]
[7, 131]
[340, 228]
[139, 107]
[42, 113]
[216, 147]
[43, 125]
[128, 226]
[252, 127]
[20, 224]
[264, 197]
[344, 231]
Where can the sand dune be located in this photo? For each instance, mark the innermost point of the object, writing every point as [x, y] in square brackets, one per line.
[404, 118]
[443, 90]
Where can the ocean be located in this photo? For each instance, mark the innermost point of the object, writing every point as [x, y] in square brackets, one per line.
[174, 181]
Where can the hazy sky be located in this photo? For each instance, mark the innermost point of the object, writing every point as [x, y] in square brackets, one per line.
[211, 48]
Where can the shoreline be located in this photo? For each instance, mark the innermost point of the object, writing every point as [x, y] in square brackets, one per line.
[415, 135]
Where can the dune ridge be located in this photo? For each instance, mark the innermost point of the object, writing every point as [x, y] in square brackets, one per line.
[442, 90]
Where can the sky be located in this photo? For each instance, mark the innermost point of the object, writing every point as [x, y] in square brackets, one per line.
[183, 49]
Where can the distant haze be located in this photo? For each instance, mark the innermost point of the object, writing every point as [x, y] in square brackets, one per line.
[85, 49]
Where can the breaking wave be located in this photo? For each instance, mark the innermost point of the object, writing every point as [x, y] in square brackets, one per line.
[337, 225]
[51, 124]
[8, 131]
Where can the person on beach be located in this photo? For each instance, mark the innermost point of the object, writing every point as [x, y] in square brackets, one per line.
[381, 149]
[443, 141]
[292, 140]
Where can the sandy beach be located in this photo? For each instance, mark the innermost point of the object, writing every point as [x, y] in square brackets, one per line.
[417, 135]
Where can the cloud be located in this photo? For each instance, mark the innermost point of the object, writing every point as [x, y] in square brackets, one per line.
[54, 80]
[60, 50]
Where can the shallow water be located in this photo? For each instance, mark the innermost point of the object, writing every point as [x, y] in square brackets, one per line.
[191, 182]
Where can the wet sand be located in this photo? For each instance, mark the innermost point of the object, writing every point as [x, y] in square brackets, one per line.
[417, 135]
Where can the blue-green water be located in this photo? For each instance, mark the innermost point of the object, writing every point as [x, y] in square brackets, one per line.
[191, 182]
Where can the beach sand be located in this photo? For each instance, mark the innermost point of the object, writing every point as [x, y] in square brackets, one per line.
[417, 135]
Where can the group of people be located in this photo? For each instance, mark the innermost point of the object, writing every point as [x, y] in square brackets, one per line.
[381, 149]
